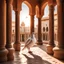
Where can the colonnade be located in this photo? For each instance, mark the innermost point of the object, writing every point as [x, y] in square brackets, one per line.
[6, 49]
[57, 51]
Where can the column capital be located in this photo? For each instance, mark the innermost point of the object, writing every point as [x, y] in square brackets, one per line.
[31, 14]
[39, 16]
[51, 7]
[60, 1]
[51, 2]
[18, 10]
[9, 1]
[16, 5]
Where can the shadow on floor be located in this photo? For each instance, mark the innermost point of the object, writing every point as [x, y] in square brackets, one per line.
[36, 60]
[44, 48]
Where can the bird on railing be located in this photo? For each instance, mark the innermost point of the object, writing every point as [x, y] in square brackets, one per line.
[30, 42]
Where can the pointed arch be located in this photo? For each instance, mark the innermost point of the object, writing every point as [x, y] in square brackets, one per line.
[42, 8]
[29, 5]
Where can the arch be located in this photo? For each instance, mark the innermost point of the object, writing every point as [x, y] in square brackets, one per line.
[44, 5]
[42, 8]
[29, 5]
[24, 15]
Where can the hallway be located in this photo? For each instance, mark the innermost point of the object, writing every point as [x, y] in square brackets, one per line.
[38, 56]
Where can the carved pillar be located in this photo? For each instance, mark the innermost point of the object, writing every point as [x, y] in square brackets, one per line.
[59, 50]
[51, 30]
[17, 31]
[31, 24]
[9, 30]
[3, 50]
[39, 32]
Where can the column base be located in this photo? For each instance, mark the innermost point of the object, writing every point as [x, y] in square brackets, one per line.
[17, 46]
[3, 55]
[39, 42]
[50, 49]
[58, 53]
[10, 54]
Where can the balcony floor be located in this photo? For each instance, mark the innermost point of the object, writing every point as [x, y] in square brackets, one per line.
[38, 56]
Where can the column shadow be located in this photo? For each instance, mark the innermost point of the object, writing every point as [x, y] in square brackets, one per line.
[36, 60]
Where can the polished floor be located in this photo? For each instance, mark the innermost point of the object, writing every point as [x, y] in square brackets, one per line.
[38, 56]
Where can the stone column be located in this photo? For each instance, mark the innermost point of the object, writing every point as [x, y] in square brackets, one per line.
[9, 30]
[39, 32]
[17, 31]
[31, 24]
[51, 30]
[59, 50]
[3, 50]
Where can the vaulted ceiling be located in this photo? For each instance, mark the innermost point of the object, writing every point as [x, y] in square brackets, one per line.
[32, 4]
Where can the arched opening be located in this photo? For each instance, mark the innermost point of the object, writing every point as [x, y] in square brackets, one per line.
[24, 17]
[46, 11]
[24, 21]
[45, 22]
[45, 19]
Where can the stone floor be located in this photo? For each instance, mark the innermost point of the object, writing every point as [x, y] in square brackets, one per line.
[38, 56]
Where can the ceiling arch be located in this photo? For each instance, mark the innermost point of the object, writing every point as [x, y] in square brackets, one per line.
[29, 6]
[43, 7]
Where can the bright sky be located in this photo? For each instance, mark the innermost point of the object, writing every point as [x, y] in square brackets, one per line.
[24, 14]
[46, 11]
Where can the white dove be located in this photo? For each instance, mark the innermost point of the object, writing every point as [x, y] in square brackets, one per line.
[30, 42]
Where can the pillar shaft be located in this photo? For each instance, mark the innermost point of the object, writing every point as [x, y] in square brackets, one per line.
[59, 50]
[17, 27]
[9, 24]
[39, 31]
[32, 24]
[17, 31]
[3, 51]
[9, 30]
[51, 30]
[60, 31]
[51, 25]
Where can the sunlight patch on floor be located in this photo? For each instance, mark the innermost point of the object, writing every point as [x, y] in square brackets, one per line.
[39, 52]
